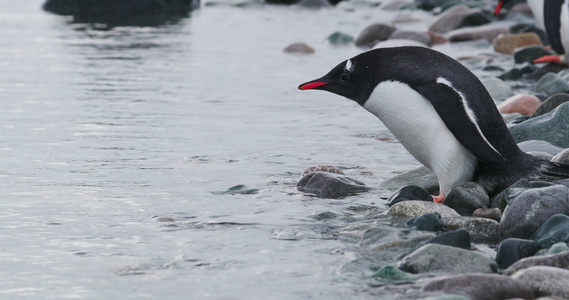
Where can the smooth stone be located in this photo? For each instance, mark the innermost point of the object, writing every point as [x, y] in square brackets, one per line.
[562, 157]
[330, 185]
[487, 32]
[421, 176]
[545, 280]
[557, 248]
[322, 168]
[551, 84]
[477, 18]
[414, 208]
[560, 260]
[480, 229]
[451, 18]
[501, 200]
[524, 104]
[530, 209]
[551, 127]
[497, 88]
[437, 39]
[340, 39]
[512, 250]
[564, 74]
[421, 37]
[459, 238]
[539, 146]
[525, 27]
[374, 33]
[446, 259]
[551, 103]
[508, 43]
[481, 287]
[554, 230]
[392, 273]
[529, 54]
[299, 48]
[541, 155]
[410, 192]
[466, 197]
[516, 73]
[379, 235]
[547, 68]
[426, 222]
[488, 213]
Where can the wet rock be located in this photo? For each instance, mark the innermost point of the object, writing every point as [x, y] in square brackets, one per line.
[562, 157]
[539, 146]
[548, 68]
[545, 281]
[379, 235]
[529, 54]
[414, 208]
[410, 192]
[340, 39]
[426, 222]
[530, 209]
[488, 213]
[421, 37]
[237, 189]
[508, 43]
[555, 249]
[551, 127]
[298, 48]
[497, 88]
[466, 197]
[421, 176]
[560, 260]
[451, 18]
[550, 104]
[459, 238]
[501, 200]
[431, 4]
[392, 273]
[446, 259]
[516, 73]
[512, 250]
[488, 286]
[322, 168]
[476, 18]
[524, 104]
[555, 230]
[330, 185]
[326, 215]
[551, 84]
[480, 229]
[374, 33]
[488, 33]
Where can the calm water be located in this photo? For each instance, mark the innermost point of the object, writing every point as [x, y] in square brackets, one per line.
[115, 142]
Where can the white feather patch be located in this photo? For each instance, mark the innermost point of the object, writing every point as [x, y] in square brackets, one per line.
[349, 66]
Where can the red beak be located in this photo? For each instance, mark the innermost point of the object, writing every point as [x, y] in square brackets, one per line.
[311, 85]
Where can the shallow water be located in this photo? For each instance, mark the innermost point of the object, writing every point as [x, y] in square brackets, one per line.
[117, 145]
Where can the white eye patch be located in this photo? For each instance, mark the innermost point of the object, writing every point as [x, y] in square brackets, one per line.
[349, 66]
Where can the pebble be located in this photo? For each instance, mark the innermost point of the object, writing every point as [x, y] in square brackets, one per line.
[480, 229]
[508, 43]
[560, 260]
[451, 18]
[374, 33]
[529, 54]
[488, 213]
[487, 287]
[466, 197]
[551, 127]
[446, 259]
[421, 37]
[497, 88]
[545, 280]
[512, 250]
[426, 222]
[530, 209]
[553, 231]
[414, 208]
[330, 185]
[551, 84]
[410, 192]
[340, 39]
[421, 176]
[487, 32]
[550, 104]
[299, 48]
[524, 104]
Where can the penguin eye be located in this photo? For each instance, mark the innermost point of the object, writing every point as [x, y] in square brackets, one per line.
[344, 77]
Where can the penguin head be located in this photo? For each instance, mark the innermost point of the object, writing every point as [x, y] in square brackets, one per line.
[346, 79]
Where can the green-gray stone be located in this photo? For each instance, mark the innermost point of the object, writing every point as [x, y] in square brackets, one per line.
[551, 127]
[551, 84]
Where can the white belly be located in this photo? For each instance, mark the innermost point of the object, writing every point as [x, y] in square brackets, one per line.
[415, 123]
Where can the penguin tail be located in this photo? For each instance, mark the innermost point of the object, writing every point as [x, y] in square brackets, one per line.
[554, 170]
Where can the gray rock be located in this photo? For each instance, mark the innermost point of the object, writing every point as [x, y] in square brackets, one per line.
[562, 157]
[529, 53]
[551, 127]
[560, 260]
[466, 197]
[421, 176]
[497, 88]
[414, 208]
[374, 33]
[482, 287]
[298, 48]
[550, 104]
[501, 200]
[340, 39]
[554, 230]
[410, 192]
[539, 146]
[481, 229]
[551, 84]
[421, 37]
[330, 185]
[530, 209]
[451, 18]
[488, 213]
[488, 33]
[512, 250]
[545, 280]
[321, 168]
[446, 259]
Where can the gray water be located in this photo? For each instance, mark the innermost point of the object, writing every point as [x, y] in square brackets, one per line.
[116, 145]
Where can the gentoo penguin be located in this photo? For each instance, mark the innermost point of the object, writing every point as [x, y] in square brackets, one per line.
[553, 17]
[440, 112]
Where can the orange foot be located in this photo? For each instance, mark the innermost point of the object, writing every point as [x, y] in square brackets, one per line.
[556, 59]
[439, 199]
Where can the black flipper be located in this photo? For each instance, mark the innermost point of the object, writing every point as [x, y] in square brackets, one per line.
[451, 108]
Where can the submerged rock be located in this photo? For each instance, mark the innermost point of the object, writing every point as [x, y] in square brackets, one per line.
[551, 127]
[330, 185]
[487, 286]
[446, 259]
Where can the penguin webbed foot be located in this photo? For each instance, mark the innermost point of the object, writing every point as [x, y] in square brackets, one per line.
[439, 199]
[555, 59]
